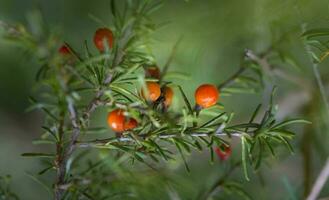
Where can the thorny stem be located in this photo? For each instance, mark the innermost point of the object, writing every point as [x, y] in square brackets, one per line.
[63, 154]
[104, 142]
[59, 152]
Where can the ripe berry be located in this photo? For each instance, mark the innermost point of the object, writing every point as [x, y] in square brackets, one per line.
[64, 50]
[130, 124]
[118, 122]
[153, 72]
[154, 91]
[168, 94]
[206, 95]
[223, 152]
[101, 35]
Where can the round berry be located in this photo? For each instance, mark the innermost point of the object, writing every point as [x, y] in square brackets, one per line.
[116, 120]
[119, 122]
[64, 50]
[168, 94]
[223, 152]
[153, 72]
[154, 91]
[206, 95]
[130, 124]
[101, 35]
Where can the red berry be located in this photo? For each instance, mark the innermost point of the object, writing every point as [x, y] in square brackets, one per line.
[101, 35]
[168, 94]
[153, 72]
[223, 152]
[130, 124]
[154, 91]
[64, 50]
[118, 122]
[206, 95]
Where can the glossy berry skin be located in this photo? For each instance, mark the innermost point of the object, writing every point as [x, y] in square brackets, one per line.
[168, 94]
[64, 50]
[154, 91]
[223, 152]
[206, 95]
[153, 72]
[130, 124]
[102, 34]
[119, 123]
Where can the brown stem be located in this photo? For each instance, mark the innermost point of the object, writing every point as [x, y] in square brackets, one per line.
[62, 157]
[59, 157]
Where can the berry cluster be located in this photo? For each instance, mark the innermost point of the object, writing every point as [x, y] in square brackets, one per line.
[206, 95]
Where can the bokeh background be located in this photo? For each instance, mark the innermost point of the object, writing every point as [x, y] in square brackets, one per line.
[215, 34]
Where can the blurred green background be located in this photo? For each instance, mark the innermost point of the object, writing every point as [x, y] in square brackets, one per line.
[215, 34]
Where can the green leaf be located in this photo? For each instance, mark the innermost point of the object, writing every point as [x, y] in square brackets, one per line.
[268, 144]
[213, 120]
[247, 125]
[291, 121]
[236, 188]
[159, 149]
[260, 153]
[244, 157]
[187, 103]
[287, 143]
[37, 180]
[45, 170]
[211, 150]
[182, 156]
[42, 155]
[283, 133]
[50, 131]
[254, 114]
[316, 33]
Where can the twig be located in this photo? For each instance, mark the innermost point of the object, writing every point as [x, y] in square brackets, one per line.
[92, 143]
[62, 158]
[320, 181]
[321, 87]
[269, 69]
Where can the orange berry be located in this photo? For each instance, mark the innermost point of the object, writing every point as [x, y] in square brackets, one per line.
[116, 120]
[154, 91]
[168, 94]
[119, 123]
[223, 152]
[153, 71]
[206, 95]
[64, 50]
[130, 124]
[102, 34]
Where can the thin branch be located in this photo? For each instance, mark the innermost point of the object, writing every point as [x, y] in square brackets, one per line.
[92, 143]
[321, 87]
[269, 69]
[320, 181]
